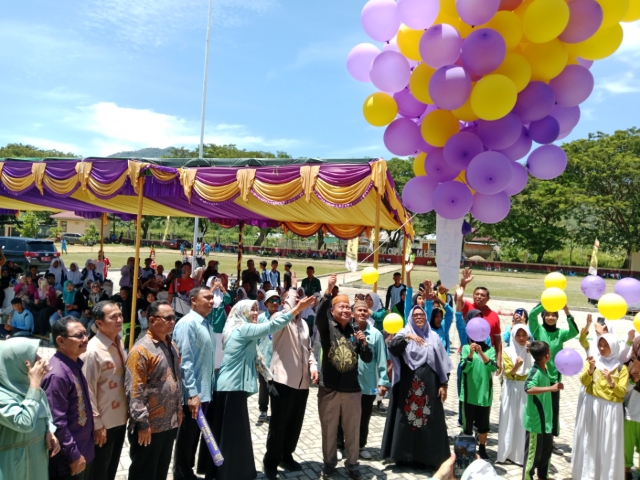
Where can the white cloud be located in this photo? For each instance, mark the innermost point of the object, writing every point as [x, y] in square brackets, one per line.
[118, 128]
[631, 39]
[625, 83]
[48, 144]
[143, 22]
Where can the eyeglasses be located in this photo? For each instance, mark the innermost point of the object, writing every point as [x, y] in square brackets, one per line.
[168, 318]
[79, 336]
[273, 300]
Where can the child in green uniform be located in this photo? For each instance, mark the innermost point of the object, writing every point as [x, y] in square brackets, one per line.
[478, 364]
[538, 413]
[547, 331]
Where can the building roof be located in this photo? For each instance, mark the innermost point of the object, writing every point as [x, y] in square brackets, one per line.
[66, 215]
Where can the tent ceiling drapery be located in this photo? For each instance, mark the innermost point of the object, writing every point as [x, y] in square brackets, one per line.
[301, 195]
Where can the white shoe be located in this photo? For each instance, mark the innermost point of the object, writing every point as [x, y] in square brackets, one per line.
[365, 454]
[339, 452]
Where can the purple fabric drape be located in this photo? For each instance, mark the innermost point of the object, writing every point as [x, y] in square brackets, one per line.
[17, 169]
[61, 170]
[107, 171]
[341, 176]
[216, 177]
[278, 175]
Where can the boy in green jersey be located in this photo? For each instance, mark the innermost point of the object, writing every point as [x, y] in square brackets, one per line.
[538, 413]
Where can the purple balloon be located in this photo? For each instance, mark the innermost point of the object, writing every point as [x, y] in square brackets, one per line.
[450, 87]
[461, 148]
[418, 14]
[545, 130]
[360, 59]
[401, 137]
[452, 200]
[535, 102]
[437, 168]
[567, 118]
[568, 362]
[584, 63]
[477, 12]
[440, 45]
[491, 208]
[629, 289]
[547, 162]
[573, 86]
[489, 172]
[585, 18]
[380, 19]
[417, 194]
[408, 106]
[519, 179]
[483, 51]
[593, 286]
[520, 148]
[390, 72]
[478, 329]
[502, 133]
[466, 228]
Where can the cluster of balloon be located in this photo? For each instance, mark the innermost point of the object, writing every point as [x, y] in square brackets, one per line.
[554, 299]
[467, 86]
[612, 306]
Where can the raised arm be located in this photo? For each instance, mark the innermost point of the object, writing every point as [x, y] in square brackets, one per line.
[322, 315]
[573, 328]
[534, 321]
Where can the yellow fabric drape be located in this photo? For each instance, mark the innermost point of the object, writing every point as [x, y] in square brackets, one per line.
[308, 229]
[309, 175]
[10, 203]
[17, 184]
[104, 189]
[187, 179]
[84, 172]
[379, 175]
[37, 170]
[163, 176]
[216, 194]
[128, 204]
[280, 192]
[61, 187]
[245, 178]
[303, 229]
[347, 231]
[342, 195]
[133, 171]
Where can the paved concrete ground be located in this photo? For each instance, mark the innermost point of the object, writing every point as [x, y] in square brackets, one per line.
[309, 452]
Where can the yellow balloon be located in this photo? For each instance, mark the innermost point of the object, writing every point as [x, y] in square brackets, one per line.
[419, 82]
[370, 275]
[418, 164]
[544, 20]
[493, 97]
[553, 299]
[509, 25]
[380, 109]
[555, 279]
[633, 13]
[517, 69]
[604, 43]
[547, 60]
[462, 178]
[522, 8]
[612, 306]
[448, 7]
[438, 126]
[465, 112]
[409, 42]
[392, 323]
[613, 11]
[636, 322]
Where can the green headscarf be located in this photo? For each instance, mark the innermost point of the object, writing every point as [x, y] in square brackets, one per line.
[14, 378]
[69, 297]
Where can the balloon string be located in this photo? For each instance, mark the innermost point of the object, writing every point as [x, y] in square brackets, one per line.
[388, 238]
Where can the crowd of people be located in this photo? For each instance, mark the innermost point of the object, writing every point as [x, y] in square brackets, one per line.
[201, 349]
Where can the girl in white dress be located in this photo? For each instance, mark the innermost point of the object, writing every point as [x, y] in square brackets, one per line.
[598, 442]
[517, 361]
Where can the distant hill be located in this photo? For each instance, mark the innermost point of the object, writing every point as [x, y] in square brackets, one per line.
[144, 152]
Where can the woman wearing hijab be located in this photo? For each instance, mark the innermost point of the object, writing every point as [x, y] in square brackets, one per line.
[44, 303]
[241, 294]
[260, 299]
[25, 290]
[377, 311]
[632, 409]
[90, 272]
[399, 307]
[74, 275]
[236, 380]
[93, 297]
[26, 426]
[416, 430]
[58, 269]
[598, 439]
[517, 361]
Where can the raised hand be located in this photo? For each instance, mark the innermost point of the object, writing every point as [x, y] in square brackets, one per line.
[631, 335]
[467, 277]
[36, 372]
[408, 267]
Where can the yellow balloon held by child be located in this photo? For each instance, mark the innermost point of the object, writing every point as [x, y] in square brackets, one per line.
[612, 306]
[370, 275]
[555, 279]
[553, 299]
[636, 322]
[392, 323]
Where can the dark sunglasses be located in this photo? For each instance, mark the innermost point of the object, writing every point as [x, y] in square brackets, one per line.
[168, 318]
[274, 300]
[79, 336]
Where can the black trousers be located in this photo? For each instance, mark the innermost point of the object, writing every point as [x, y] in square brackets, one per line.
[80, 476]
[537, 455]
[263, 395]
[367, 408]
[287, 415]
[105, 464]
[150, 462]
[187, 444]
[555, 405]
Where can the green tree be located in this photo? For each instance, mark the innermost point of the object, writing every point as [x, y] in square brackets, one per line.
[29, 224]
[91, 235]
[55, 232]
[212, 150]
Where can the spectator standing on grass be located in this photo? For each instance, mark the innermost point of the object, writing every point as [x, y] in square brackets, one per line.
[251, 277]
[103, 368]
[68, 394]
[394, 291]
[273, 275]
[286, 283]
[311, 284]
[264, 274]
[63, 245]
[152, 378]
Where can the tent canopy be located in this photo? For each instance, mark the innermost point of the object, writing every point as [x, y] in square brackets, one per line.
[301, 195]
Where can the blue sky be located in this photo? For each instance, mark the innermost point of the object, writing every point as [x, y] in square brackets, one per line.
[101, 76]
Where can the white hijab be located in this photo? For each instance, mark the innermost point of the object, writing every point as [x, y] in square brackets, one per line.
[377, 304]
[74, 277]
[593, 344]
[612, 361]
[261, 306]
[218, 296]
[514, 351]
[59, 271]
